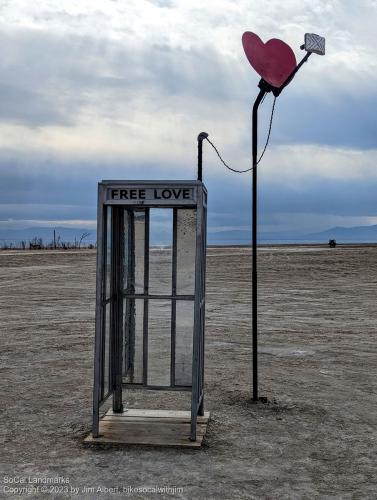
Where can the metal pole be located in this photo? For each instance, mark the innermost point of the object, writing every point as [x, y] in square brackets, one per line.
[254, 280]
[277, 91]
[100, 287]
[264, 88]
[201, 137]
[116, 336]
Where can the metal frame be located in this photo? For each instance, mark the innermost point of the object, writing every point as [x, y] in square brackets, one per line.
[146, 300]
[117, 244]
[121, 351]
[197, 401]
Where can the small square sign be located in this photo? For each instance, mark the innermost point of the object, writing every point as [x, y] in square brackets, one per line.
[315, 43]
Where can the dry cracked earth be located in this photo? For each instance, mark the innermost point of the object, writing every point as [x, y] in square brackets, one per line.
[315, 437]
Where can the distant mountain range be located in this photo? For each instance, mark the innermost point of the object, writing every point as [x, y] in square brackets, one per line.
[358, 234]
[362, 234]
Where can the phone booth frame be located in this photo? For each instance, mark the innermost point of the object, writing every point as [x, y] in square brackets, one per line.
[117, 200]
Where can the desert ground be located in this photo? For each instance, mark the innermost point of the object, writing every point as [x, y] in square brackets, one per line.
[315, 437]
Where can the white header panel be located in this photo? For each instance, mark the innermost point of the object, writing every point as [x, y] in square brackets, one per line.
[150, 194]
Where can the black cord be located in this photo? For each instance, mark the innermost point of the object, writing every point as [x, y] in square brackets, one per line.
[269, 130]
[264, 149]
[227, 166]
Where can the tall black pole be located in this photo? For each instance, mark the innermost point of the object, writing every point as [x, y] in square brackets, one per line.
[264, 87]
[201, 137]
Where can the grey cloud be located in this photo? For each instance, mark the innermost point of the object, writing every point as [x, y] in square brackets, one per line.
[49, 188]
[46, 211]
[202, 74]
[163, 3]
[341, 119]
[35, 84]
[29, 107]
[34, 180]
[322, 196]
[47, 79]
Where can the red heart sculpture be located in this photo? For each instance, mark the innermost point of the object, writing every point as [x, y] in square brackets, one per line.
[274, 60]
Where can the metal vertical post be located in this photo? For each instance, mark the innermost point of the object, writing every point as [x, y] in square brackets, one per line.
[173, 302]
[98, 378]
[264, 88]
[146, 300]
[196, 368]
[201, 137]
[130, 304]
[117, 307]
[254, 278]
[202, 340]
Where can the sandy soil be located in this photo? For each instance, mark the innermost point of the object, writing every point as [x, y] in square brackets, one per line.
[315, 438]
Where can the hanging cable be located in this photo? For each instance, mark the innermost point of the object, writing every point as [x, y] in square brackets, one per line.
[264, 149]
[269, 130]
[223, 162]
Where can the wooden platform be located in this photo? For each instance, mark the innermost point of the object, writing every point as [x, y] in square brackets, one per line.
[150, 427]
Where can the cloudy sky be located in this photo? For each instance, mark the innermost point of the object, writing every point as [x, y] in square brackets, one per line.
[99, 89]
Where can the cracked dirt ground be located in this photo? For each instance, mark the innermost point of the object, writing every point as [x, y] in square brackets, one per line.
[315, 438]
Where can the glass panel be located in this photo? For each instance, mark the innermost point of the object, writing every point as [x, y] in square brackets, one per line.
[106, 351]
[133, 325]
[139, 251]
[127, 251]
[183, 342]
[160, 251]
[159, 335]
[108, 252]
[186, 244]
[134, 237]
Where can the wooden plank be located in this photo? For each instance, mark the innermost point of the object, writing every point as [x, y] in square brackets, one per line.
[123, 417]
[149, 427]
[136, 428]
[176, 414]
[178, 441]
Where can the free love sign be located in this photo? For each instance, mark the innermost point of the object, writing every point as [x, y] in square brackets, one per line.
[151, 194]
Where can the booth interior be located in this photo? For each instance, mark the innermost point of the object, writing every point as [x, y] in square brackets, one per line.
[150, 312]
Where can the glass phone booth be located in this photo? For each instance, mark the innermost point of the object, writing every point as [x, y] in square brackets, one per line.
[150, 301]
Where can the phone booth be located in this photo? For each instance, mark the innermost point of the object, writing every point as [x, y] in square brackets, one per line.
[150, 308]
